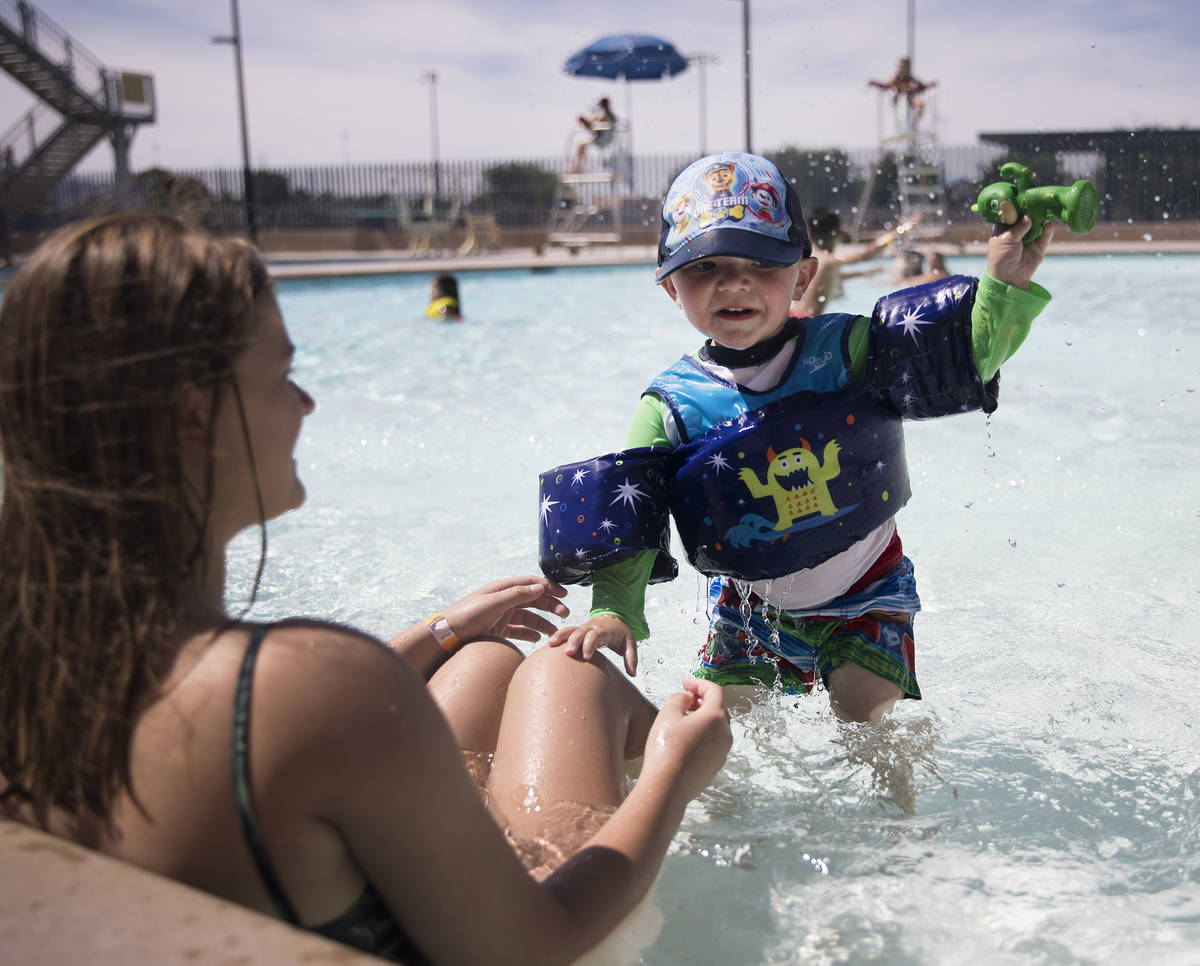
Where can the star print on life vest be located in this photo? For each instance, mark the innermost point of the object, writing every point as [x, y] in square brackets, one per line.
[910, 322]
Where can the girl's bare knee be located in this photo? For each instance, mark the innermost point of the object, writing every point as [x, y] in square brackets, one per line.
[553, 667]
[595, 685]
[493, 651]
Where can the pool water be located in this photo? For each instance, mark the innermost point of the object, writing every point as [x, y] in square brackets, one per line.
[1041, 805]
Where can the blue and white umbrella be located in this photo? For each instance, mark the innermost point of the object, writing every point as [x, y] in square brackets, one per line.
[628, 57]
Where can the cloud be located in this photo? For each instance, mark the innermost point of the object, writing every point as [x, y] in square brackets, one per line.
[327, 82]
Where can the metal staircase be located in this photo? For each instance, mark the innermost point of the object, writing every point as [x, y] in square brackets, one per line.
[920, 184]
[921, 180]
[82, 101]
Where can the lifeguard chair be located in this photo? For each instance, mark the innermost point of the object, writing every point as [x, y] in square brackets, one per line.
[920, 174]
[587, 203]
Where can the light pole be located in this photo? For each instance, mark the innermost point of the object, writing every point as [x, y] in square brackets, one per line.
[430, 77]
[247, 177]
[702, 61]
[746, 71]
[912, 16]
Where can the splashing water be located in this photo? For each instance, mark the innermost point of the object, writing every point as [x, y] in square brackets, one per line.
[1041, 805]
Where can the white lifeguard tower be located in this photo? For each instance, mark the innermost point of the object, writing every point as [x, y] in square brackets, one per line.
[911, 140]
[589, 197]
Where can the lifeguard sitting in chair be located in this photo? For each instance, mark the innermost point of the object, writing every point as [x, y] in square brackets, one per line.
[595, 129]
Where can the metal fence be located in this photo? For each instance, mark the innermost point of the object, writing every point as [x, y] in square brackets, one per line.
[519, 193]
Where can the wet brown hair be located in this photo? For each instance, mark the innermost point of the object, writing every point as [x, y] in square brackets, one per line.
[99, 533]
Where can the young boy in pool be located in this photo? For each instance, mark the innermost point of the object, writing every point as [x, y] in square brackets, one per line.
[778, 447]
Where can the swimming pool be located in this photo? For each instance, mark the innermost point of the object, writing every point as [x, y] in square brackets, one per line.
[1052, 810]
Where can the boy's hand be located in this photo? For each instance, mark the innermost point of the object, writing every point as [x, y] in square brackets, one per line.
[1011, 261]
[586, 639]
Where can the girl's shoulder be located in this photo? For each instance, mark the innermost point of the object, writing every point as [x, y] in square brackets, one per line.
[303, 667]
[328, 653]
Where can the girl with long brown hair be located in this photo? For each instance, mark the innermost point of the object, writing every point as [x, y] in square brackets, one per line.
[301, 768]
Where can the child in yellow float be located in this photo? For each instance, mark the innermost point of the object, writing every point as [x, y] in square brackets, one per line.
[443, 295]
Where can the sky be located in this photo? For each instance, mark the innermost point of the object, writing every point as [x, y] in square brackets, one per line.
[335, 82]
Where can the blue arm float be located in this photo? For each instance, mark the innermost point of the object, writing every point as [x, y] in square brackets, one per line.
[602, 510]
[919, 351]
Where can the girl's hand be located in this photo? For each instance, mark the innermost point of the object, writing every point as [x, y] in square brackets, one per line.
[506, 608]
[690, 737]
[586, 639]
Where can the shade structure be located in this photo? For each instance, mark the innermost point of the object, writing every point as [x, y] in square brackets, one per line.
[627, 56]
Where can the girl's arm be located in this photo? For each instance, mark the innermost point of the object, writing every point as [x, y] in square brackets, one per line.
[361, 748]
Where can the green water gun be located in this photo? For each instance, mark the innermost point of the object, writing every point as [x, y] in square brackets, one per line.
[1004, 202]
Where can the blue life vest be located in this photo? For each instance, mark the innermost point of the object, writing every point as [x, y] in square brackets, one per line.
[766, 484]
[699, 399]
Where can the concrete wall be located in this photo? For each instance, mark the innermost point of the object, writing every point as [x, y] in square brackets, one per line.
[60, 903]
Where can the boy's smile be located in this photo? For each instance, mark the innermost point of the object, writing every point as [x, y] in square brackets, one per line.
[737, 302]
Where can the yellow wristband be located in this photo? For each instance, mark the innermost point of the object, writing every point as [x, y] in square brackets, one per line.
[439, 627]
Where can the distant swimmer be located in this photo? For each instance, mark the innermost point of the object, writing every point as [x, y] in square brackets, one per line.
[443, 305]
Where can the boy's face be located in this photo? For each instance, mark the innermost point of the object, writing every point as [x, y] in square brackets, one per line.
[737, 302]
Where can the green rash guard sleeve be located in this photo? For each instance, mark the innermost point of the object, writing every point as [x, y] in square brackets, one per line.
[619, 590]
[1000, 320]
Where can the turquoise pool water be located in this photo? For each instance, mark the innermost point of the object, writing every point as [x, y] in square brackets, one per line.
[1041, 805]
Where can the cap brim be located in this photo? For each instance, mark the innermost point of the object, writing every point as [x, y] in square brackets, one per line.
[735, 242]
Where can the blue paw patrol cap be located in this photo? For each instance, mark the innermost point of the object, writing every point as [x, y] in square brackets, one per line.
[731, 204]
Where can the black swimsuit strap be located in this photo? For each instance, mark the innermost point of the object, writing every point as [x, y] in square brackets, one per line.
[242, 795]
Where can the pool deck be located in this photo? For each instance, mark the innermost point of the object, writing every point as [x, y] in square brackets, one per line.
[351, 262]
[325, 264]
[61, 903]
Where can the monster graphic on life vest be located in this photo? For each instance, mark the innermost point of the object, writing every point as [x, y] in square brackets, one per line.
[797, 481]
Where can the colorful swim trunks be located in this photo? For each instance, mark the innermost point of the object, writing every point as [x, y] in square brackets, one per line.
[787, 650]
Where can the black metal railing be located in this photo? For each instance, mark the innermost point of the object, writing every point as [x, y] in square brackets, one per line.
[519, 193]
[96, 93]
[80, 66]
